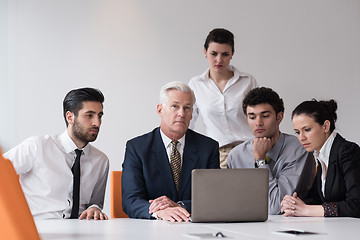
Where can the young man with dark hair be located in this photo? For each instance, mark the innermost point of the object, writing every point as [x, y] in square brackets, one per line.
[291, 168]
[63, 176]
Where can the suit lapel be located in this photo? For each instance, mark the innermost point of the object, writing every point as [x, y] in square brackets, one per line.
[319, 182]
[190, 158]
[330, 176]
[161, 161]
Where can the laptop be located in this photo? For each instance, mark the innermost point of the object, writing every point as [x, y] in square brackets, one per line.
[229, 195]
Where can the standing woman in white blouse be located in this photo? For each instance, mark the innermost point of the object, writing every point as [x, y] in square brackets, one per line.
[219, 94]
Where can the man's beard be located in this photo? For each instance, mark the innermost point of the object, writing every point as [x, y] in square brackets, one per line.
[83, 135]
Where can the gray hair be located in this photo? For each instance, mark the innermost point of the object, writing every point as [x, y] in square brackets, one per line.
[177, 85]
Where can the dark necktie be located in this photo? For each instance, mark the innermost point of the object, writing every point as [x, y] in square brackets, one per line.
[175, 163]
[318, 169]
[76, 185]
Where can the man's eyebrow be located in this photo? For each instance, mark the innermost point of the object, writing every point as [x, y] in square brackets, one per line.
[93, 112]
[251, 113]
[265, 112]
[176, 102]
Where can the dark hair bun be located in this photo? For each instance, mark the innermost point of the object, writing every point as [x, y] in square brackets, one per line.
[331, 107]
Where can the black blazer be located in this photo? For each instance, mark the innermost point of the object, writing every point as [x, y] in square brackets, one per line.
[342, 186]
[147, 172]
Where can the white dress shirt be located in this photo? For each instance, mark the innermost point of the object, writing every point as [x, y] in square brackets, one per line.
[222, 113]
[168, 145]
[44, 165]
[323, 157]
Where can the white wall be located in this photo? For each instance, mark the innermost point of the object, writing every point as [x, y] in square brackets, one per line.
[130, 48]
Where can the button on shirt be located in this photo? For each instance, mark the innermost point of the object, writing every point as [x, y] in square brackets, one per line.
[222, 112]
[44, 165]
[323, 157]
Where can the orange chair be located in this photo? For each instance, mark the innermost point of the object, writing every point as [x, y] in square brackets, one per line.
[16, 221]
[115, 195]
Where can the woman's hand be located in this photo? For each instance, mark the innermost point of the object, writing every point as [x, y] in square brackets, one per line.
[294, 206]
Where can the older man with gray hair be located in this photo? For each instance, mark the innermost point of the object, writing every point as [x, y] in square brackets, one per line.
[156, 180]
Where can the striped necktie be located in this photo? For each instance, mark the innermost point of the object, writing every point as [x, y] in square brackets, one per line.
[175, 163]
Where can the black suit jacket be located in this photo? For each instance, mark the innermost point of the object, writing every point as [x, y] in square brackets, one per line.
[147, 172]
[342, 186]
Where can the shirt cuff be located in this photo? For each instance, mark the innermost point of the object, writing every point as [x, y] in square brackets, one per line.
[181, 204]
[94, 205]
[330, 209]
[154, 215]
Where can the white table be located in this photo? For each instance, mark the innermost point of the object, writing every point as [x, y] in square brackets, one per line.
[328, 228]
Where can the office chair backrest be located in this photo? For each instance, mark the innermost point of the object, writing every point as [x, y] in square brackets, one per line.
[115, 195]
[16, 221]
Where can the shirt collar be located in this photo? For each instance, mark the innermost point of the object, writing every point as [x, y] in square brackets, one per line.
[324, 153]
[167, 141]
[236, 77]
[205, 75]
[68, 144]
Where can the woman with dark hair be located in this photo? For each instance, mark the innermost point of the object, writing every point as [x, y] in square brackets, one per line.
[336, 188]
[219, 93]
